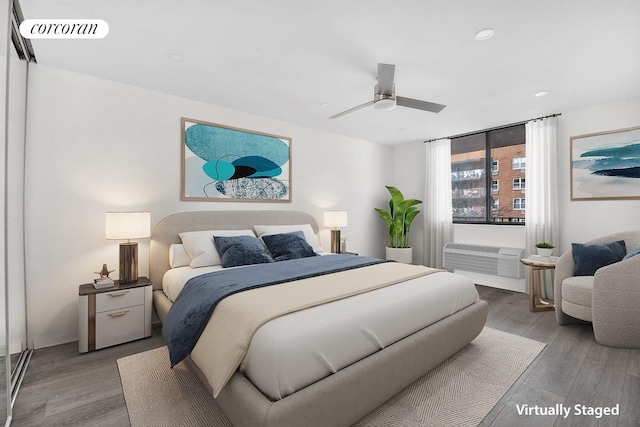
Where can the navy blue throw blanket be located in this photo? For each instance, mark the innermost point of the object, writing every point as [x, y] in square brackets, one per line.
[192, 309]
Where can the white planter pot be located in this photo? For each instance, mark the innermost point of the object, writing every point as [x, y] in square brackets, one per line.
[545, 251]
[404, 255]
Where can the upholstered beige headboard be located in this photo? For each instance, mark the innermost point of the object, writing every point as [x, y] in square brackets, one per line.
[166, 232]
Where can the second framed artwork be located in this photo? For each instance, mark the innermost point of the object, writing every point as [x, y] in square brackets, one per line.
[223, 163]
[606, 165]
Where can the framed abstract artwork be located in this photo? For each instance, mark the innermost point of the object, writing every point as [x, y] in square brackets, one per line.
[223, 163]
[606, 165]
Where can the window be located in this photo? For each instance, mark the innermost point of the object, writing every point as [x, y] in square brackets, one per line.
[518, 204]
[476, 194]
[495, 169]
[518, 163]
[518, 184]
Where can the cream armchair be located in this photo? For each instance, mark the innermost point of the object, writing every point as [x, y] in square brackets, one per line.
[610, 299]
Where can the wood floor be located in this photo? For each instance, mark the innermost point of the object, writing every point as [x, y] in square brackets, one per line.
[65, 388]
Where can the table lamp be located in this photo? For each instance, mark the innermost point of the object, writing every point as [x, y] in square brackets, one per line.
[335, 220]
[127, 226]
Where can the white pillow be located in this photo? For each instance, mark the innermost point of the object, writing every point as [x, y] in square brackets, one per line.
[178, 256]
[199, 245]
[309, 235]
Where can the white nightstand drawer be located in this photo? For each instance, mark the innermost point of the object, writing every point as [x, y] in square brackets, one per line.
[118, 326]
[119, 299]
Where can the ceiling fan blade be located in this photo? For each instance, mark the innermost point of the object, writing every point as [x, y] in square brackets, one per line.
[351, 110]
[386, 74]
[419, 105]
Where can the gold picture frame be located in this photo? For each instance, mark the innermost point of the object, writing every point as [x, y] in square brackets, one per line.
[228, 164]
[606, 165]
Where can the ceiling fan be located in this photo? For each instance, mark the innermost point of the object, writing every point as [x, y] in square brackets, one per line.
[384, 95]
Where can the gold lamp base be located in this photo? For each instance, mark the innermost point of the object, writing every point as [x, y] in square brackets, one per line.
[335, 241]
[128, 262]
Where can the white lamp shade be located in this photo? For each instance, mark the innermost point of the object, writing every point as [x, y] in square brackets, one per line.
[335, 219]
[128, 225]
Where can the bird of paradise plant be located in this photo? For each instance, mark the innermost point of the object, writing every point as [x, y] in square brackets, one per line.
[398, 220]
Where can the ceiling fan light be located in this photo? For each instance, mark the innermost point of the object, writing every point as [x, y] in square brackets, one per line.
[386, 104]
[485, 34]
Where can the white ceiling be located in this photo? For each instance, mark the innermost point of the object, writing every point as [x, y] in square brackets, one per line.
[285, 58]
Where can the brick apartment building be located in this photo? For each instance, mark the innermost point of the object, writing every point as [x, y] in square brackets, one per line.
[469, 184]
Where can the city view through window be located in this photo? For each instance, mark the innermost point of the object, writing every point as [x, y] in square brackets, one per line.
[501, 191]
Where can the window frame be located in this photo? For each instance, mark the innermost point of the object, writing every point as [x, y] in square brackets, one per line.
[521, 161]
[522, 203]
[495, 171]
[522, 183]
[490, 173]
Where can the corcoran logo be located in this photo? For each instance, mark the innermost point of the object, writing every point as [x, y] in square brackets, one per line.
[64, 29]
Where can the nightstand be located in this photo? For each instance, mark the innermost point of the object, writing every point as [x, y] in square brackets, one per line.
[114, 315]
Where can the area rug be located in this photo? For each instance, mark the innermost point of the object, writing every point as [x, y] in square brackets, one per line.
[460, 391]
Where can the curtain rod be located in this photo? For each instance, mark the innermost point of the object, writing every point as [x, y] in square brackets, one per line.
[494, 128]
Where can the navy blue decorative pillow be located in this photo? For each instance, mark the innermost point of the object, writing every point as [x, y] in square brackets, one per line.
[589, 258]
[288, 246]
[241, 250]
[632, 253]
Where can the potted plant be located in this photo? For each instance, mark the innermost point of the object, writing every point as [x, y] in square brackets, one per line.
[398, 220]
[544, 248]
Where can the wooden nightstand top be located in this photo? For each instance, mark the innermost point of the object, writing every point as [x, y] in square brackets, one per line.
[88, 289]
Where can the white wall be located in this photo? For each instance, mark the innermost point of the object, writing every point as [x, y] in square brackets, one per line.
[411, 158]
[15, 237]
[587, 219]
[95, 146]
[580, 220]
[409, 177]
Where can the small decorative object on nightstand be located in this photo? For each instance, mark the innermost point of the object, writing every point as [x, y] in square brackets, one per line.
[536, 264]
[105, 272]
[114, 315]
[104, 281]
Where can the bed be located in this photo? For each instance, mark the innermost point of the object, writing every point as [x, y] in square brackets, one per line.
[342, 394]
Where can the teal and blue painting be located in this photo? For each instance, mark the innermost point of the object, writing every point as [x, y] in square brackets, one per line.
[222, 163]
[606, 165]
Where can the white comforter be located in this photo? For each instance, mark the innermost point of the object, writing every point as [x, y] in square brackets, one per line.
[293, 351]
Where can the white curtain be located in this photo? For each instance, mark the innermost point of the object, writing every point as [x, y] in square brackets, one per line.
[541, 188]
[438, 219]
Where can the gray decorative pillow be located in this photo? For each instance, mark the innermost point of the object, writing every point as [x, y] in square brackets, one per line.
[288, 246]
[632, 253]
[240, 250]
[589, 258]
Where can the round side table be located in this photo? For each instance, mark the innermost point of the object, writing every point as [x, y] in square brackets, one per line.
[535, 266]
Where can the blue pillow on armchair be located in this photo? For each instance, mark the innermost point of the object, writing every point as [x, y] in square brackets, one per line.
[589, 258]
[287, 246]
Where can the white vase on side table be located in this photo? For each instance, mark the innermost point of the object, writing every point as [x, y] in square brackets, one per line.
[545, 251]
[404, 255]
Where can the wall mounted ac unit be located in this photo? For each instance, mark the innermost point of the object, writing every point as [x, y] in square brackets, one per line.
[493, 260]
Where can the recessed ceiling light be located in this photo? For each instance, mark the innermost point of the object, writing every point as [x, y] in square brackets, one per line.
[542, 93]
[485, 34]
[176, 57]
[324, 105]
